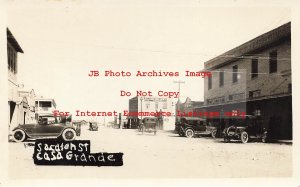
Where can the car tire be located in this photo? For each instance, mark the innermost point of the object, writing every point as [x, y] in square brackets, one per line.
[244, 137]
[19, 135]
[68, 135]
[189, 133]
[214, 133]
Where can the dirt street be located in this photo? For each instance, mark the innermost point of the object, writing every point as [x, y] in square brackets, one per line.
[165, 155]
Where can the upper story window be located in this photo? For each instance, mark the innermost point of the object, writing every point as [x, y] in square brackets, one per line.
[12, 59]
[209, 82]
[234, 73]
[254, 68]
[221, 78]
[273, 62]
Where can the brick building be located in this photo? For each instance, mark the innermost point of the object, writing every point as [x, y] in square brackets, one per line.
[254, 78]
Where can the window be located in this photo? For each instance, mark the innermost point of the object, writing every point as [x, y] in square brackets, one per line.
[45, 104]
[12, 60]
[273, 62]
[221, 78]
[254, 68]
[234, 74]
[209, 83]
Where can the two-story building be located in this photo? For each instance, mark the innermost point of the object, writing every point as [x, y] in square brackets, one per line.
[14, 103]
[254, 78]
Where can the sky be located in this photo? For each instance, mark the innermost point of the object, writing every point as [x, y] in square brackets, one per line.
[64, 40]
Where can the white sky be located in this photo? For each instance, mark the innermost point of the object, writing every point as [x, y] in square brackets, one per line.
[63, 41]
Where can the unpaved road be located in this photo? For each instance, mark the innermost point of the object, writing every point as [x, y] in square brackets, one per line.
[165, 155]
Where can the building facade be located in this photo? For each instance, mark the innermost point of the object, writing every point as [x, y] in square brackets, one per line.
[152, 104]
[254, 78]
[14, 103]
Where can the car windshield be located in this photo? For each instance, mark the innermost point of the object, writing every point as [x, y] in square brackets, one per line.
[49, 120]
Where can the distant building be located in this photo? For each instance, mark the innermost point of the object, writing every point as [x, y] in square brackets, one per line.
[152, 104]
[188, 105]
[44, 107]
[28, 97]
[13, 48]
[254, 78]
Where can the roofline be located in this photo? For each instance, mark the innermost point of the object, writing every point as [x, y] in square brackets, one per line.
[12, 40]
[260, 42]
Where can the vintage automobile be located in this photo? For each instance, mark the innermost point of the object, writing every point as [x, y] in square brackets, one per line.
[192, 126]
[149, 124]
[93, 126]
[48, 126]
[245, 129]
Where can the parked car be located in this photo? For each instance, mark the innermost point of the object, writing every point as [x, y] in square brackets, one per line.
[245, 129]
[93, 126]
[48, 126]
[192, 126]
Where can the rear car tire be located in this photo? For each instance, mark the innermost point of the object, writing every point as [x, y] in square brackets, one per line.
[19, 135]
[244, 137]
[189, 133]
[68, 135]
[214, 133]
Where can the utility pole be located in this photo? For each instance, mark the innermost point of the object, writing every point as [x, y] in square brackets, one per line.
[179, 82]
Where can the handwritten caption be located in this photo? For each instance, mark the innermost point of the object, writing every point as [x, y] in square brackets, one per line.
[76, 153]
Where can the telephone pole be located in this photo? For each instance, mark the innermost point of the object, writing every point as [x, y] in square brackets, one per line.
[176, 108]
[179, 82]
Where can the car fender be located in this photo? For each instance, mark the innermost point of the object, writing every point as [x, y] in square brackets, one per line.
[20, 128]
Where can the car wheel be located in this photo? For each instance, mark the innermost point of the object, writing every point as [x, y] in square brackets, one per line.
[19, 135]
[68, 135]
[264, 137]
[244, 137]
[189, 133]
[214, 133]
